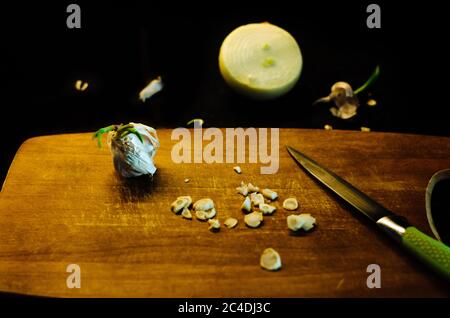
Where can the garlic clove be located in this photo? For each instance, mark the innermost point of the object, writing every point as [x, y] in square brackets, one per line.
[270, 260]
[290, 204]
[256, 198]
[252, 188]
[309, 221]
[246, 205]
[188, 200]
[253, 219]
[267, 209]
[204, 204]
[209, 214]
[214, 225]
[269, 194]
[151, 89]
[186, 214]
[237, 169]
[242, 189]
[295, 222]
[131, 156]
[301, 221]
[179, 204]
[230, 222]
[200, 215]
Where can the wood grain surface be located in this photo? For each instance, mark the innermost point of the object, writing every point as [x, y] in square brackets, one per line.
[62, 203]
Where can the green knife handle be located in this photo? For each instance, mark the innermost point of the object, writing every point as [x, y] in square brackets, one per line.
[430, 251]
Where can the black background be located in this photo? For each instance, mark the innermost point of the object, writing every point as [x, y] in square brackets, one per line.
[123, 45]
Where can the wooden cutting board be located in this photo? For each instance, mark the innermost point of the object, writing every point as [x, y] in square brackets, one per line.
[63, 204]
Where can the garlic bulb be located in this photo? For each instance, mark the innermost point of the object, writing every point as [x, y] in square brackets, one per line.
[133, 147]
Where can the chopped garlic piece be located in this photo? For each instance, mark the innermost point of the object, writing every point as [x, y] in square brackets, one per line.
[188, 200]
[309, 221]
[256, 198]
[200, 215]
[203, 204]
[266, 208]
[242, 189]
[346, 103]
[290, 204]
[295, 222]
[237, 169]
[180, 203]
[269, 194]
[214, 225]
[186, 180]
[270, 260]
[371, 102]
[344, 112]
[186, 213]
[252, 188]
[365, 129]
[151, 89]
[301, 221]
[81, 86]
[230, 222]
[246, 205]
[253, 219]
[328, 127]
[210, 213]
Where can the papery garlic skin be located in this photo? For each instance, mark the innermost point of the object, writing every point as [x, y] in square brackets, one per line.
[131, 157]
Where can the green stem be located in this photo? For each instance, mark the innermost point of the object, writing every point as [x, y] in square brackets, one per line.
[199, 120]
[121, 130]
[369, 82]
[99, 133]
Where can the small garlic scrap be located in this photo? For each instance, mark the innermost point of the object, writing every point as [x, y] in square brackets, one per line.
[210, 213]
[200, 215]
[151, 89]
[256, 198]
[295, 222]
[180, 203]
[203, 205]
[186, 214]
[290, 204]
[301, 221]
[188, 200]
[242, 189]
[252, 188]
[214, 225]
[266, 208]
[309, 221]
[81, 86]
[230, 222]
[253, 219]
[237, 169]
[246, 205]
[270, 260]
[269, 194]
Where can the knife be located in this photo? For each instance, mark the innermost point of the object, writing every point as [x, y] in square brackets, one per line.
[433, 253]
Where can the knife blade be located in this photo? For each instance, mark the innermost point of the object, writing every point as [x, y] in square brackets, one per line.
[433, 253]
